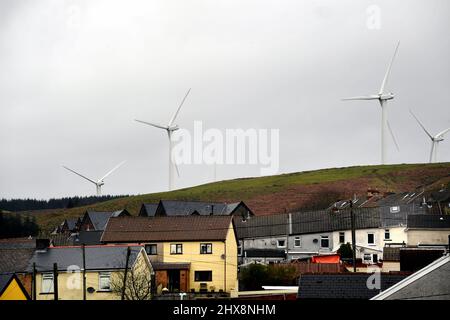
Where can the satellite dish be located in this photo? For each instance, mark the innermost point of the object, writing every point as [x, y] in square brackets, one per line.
[90, 290]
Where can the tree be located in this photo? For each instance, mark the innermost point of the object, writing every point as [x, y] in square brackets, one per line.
[345, 251]
[138, 284]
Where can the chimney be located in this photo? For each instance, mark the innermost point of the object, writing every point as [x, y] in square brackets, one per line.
[42, 244]
[212, 210]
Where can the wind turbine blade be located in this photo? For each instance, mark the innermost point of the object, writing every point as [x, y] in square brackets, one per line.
[79, 174]
[392, 135]
[152, 124]
[441, 134]
[176, 168]
[112, 170]
[388, 71]
[178, 110]
[420, 124]
[361, 98]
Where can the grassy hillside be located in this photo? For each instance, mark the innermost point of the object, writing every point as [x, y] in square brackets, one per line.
[277, 194]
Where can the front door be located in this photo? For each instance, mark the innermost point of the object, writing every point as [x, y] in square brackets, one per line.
[174, 280]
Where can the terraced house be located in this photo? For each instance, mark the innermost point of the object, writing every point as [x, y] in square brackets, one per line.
[59, 271]
[195, 254]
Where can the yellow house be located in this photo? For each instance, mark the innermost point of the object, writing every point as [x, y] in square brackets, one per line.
[104, 272]
[188, 253]
[11, 288]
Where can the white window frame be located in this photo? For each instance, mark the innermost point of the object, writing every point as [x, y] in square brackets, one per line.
[104, 275]
[299, 239]
[371, 243]
[47, 277]
[239, 249]
[278, 243]
[176, 246]
[323, 238]
[394, 209]
[387, 232]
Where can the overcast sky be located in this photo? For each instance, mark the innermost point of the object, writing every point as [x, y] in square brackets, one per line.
[74, 74]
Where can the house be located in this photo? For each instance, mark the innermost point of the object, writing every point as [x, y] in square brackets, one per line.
[429, 283]
[431, 229]
[11, 288]
[105, 266]
[69, 226]
[15, 254]
[309, 233]
[344, 285]
[97, 220]
[189, 253]
[184, 208]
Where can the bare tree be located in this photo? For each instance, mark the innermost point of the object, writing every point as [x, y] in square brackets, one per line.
[138, 284]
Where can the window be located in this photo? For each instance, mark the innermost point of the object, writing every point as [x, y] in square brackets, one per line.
[104, 281]
[176, 248]
[151, 249]
[374, 258]
[47, 283]
[324, 242]
[395, 209]
[281, 243]
[239, 249]
[367, 257]
[297, 242]
[341, 237]
[205, 248]
[370, 238]
[203, 275]
[387, 234]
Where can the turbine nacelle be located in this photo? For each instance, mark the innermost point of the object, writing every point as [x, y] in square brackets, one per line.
[386, 96]
[173, 128]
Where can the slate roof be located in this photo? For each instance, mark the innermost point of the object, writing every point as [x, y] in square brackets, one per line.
[342, 286]
[309, 222]
[100, 218]
[72, 223]
[184, 208]
[434, 221]
[426, 284]
[148, 209]
[261, 226]
[4, 280]
[97, 257]
[88, 237]
[15, 254]
[154, 229]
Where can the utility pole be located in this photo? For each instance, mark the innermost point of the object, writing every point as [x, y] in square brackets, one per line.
[352, 218]
[33, 283]
[55, 280]
[126, 272]
[84, 270]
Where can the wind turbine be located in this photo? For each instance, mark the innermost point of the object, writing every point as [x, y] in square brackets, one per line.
[383, 97]
[434, 139]
[98, 183]
[170, 128]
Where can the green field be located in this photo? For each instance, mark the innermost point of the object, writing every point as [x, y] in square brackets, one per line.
[265, 191]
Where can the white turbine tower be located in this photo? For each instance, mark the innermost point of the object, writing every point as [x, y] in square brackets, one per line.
[98, 183]
[170, 128]
[383, 98]
[434, 139]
